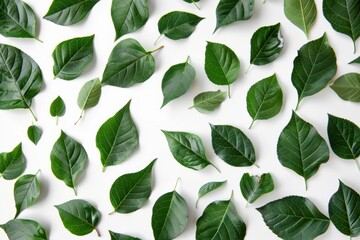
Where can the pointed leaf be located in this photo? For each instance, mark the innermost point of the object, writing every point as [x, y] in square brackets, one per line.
[302, 13]
[208, 101]
[89, 94]
[57, 107]
[356, 60]
[24, 229]
[347, 87]
[34, 133]
[207, 188]
[119, 236]
[253, 187]
[12, 164]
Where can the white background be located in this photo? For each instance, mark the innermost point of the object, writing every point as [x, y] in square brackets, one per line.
[145, 108]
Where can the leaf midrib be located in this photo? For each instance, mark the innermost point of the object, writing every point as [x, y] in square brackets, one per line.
[217, 94]
[27, 190]
[77, 217]
[88, 95]
[71, 6]
[12, 160]
[222, 220]
[268, 39]
[347, 211]
[263, 99]
[347, 143]
[68, 161]
[167, 213]
[300, 147]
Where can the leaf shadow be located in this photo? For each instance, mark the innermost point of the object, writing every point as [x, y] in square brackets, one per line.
[91, 68]
[44, 188]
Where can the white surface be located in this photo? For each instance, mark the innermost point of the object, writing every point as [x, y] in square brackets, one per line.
[145, 108]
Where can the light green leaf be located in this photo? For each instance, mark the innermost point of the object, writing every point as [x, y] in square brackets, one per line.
[24, 229]
[347, 87]
[208, 101]
[207, 188]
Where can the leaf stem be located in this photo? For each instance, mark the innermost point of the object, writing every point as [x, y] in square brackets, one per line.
[74, 191]
[232, 194]
[247, 204]
[306, 185]
[157, 39]
[103, 169]
[177, 181]
[37, 39]
[297, 105]
[252, 123]
[80, 117]
[197, 6]
[357, 164]
[112, 212]
[97, 232]
[57, 120]
[247, 70]
[256, 165]
[215, 167]
[187, 59]
[33, 114]
[196, 204]
[354, 42]
[37, 172]
[229, 91]
[155, 50]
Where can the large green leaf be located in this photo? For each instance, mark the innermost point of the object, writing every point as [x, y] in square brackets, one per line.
[302, 13]
[68, 160]
[220, 220]
[232, 145]
[314, 66]
[26, 192]
[128, 64]
[344, 210]
[187, 149]
[229, 11]
[222, 66]
[79, 217]
[119, 236]
[71, 57]
[295, 218]
[117, 138]
[266, 45]
[69, 12]
[176, 81]
[264, 99]
[347, 87]
[169, 216]
[253, 187]
[301, 148]
[128, 15]
[208, 101]
[207, 188]
[130, 192]
[12, 164]
[24, 229]
[17, 19]
[34, 133]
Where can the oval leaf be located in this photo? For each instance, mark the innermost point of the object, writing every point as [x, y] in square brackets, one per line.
[117, 138]
[253, 187]
[34, 133]
[347, 87]
[89, 96]
[12, 164]
[207, 188]
[130, 192]
[79, 216]
[57, 107]
[119, 236]
[23, 229]
[208, 101]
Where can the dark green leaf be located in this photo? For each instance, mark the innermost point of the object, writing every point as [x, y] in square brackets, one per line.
[129, 15]
[57, 108]
[266, 45]
[23, 229]
[220, 220]
[207, 188]
[79, 217]
[12, 164]
[229, 11]
[193, 2]
[301, 148]
[232, 146]
[347, 87]
[264, 99]
[26, 192]
[169, 216]
[72, 56]
[187, 149]
[356, 60]
[253, 187]
[89, 95]
[117, 138]
[130, 191]
[119, 236]
[314, 67]
[177, 25]
[34, 133]
[177, 81]
[295, 218]
[69, 12]
[68, 160]
[208, 101]
[344, 210]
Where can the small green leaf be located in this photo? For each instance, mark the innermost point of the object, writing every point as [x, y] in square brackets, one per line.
[356, 60]
[57, 108]
[34, 133]
[208, 101]
[119, 236]
[12, 164]
[79, 217]
[24, 229]
[295, 218]
[347, 87]
[130, 192]
[193, 2]
[177, 81]
[207, 188]
[253, 187]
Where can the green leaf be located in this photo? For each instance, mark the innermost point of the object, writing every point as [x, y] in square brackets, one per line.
[344, 210]
[264, 99]
[117, 138]
[177, 81]
[71, 57]
[344, 17]
[208, 101]
[131, 191]
[79, 217]
[229, 11]
[68, 160]
[178, 25]
[26, 192]
[57, 108]
[356, 60]
[301, 148]
[24, 229]
[266, 45]
[253, 187]
[129, 15]
[193, 2]
[119, 236]
[347, 87]
[17, 19]
[128, 64]
[295, 218]
[187, 149]
[220, 220]
[302, 13]
[12, 164]
[314, 67]
[69, 12]
[34, 133]
[232, 145]
[207, 188]
[222, 66]
[169, 216]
